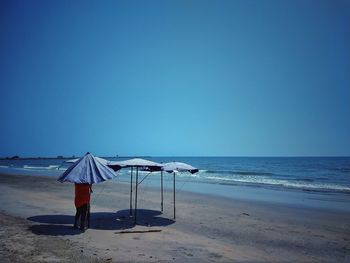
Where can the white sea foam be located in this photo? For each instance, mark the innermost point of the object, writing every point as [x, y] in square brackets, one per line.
[280, 182]
[50, 167]
[251, 179]
[196, 175]
[231, 173]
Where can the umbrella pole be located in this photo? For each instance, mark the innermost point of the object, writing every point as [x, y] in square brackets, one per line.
[161, 186]
[137, 182]
[130, 212]
[174, 196]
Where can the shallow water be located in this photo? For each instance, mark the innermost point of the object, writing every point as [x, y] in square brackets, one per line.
[312, 181]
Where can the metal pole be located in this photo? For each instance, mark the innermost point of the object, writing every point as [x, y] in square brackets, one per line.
[174, 196]
[137, 183]
[161, 186]
[130, 211]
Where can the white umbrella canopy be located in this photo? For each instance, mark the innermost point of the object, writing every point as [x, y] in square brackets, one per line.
[136, 162]
[178, 167]
[87, 170]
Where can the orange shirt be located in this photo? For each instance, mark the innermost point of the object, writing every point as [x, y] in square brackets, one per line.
[82, 194]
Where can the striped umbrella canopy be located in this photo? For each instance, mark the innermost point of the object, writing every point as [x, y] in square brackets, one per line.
[87, 170]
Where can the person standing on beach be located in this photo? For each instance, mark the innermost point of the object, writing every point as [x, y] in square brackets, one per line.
[82, 203]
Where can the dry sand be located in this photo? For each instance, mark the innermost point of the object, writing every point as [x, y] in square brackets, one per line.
[36, 215]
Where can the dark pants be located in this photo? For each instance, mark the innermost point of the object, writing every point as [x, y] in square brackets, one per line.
[81, 213]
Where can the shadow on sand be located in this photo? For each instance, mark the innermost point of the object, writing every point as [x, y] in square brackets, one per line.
[62, 224]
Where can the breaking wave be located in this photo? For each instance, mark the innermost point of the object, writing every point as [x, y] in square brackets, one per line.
[300, 184]
[236, 172]
[50, 167]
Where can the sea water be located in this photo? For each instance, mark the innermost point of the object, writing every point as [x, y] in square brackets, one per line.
[310, 181]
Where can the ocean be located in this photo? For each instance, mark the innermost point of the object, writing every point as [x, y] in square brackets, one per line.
[313, 181]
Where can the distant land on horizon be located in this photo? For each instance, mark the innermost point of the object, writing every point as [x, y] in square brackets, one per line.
[17, 157]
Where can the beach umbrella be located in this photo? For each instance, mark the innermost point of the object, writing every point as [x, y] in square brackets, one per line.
[139, 164]
[173, 167]
[87, 170]
[178, 167]
[136, 162]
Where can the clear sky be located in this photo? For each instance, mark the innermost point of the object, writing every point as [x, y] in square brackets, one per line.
[175, 78]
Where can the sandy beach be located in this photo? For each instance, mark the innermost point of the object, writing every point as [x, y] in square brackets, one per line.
[36, 216]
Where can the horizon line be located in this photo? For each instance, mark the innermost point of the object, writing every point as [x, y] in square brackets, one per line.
[18, 157]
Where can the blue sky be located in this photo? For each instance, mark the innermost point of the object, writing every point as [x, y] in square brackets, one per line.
[175, 78]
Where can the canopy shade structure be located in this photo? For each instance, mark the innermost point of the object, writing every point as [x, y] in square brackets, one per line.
[136, 162]
[139, 164]
[173, 167]
[87, 170]
[178, 167]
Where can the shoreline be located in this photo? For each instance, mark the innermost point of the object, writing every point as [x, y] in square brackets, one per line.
[288, 196]
[222, 176]
[207, 228]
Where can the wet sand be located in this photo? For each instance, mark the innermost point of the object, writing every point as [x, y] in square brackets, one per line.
[36, 216]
